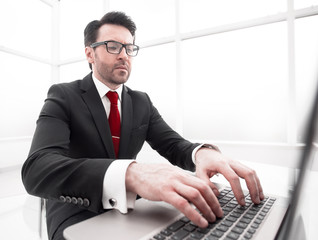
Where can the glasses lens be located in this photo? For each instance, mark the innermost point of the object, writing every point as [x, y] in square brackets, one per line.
[116, 47]
[113, 47]
[131, 50]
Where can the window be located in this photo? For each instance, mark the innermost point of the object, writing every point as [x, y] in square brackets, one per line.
[248, 67]
[306, 39]
[236, 84]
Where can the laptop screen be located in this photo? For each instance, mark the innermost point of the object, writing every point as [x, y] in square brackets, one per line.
[294, 223]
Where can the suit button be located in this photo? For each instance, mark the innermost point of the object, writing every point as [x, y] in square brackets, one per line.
[86, 202]
[68, 199]
[62, 199]
[80, 201]
[74, 200]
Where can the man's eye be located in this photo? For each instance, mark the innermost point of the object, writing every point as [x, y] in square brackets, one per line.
[112, 48]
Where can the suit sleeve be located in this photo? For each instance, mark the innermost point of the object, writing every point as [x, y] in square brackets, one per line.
[50, 171]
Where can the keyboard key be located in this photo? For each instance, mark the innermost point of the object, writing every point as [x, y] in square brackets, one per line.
[262, 214]
[203, 230]
[238, 211]
[265, 210]
[225, 213]
[217, 233]
[233, 235]
[241, 225]
[242, 208]
[235, 215]
[212, 225]
[181, 234]
[248, 235]
[258, 221]
[185, 220]
[211, 238]
[237, 230]
[189, 228]
[231, 205]
[159, 237]
[255, 225]
[197, 235]
[251, 230]
[232, 219]
[222, 228]
[176, 226]
[249, 216]
[166, 232]
[245, 220]
[252, 212]
[227, 223]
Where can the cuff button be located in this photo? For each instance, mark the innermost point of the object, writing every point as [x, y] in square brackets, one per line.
[112, 202]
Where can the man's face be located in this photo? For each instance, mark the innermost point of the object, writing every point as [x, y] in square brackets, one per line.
[111, 69]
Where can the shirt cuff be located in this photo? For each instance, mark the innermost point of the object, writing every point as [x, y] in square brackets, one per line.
[211, 146]
[115, 195]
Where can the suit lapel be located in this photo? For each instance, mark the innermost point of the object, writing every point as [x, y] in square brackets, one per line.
[126, 122]
[95, 106]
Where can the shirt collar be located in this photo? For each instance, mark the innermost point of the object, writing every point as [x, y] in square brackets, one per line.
[102, 89]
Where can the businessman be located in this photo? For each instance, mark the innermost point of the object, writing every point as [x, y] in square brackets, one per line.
[88, 135]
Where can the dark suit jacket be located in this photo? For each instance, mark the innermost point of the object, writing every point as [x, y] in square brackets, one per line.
[72, 147]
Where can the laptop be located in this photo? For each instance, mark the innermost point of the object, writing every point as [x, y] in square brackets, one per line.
[276, 217]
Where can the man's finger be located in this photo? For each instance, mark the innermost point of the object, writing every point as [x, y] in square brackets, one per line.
[252, 181]
[234, 181]
[205, 177]
[185, 207]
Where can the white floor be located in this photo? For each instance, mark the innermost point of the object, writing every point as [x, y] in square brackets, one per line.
[19, 212]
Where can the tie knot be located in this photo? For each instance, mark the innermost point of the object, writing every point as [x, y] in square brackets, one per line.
[113, 97]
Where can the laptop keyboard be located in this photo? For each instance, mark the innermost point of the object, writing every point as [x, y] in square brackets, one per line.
[238, 222]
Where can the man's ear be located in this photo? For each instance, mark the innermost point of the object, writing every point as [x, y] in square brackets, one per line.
[89, 52]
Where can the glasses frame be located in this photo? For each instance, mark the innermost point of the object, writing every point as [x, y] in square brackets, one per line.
[96, 44]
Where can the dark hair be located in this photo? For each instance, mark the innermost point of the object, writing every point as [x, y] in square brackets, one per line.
[116, 18]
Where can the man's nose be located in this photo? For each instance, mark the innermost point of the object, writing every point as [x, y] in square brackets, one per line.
[123, 54]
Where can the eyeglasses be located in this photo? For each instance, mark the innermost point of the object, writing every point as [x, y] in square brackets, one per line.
[114, 47]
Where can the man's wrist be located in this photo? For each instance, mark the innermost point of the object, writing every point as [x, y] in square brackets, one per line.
[210, 146]
[203, 146]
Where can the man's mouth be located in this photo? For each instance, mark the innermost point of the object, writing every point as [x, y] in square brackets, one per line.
[122, 67]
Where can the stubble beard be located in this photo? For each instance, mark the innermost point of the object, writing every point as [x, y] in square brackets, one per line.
[115, 77]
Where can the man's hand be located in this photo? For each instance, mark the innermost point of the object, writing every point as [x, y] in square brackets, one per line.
[164, 182]
[210, 162]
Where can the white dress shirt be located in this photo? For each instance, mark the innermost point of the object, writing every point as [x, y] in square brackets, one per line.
[114, 188]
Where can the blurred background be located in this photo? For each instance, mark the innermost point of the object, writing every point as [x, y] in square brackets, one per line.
[248, 68]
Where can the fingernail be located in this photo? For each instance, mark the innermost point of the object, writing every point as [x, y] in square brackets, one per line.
[203, 222]
[257, 199]
[262, 195]
[216, 192]
[221, 212]
[212, 217]
[243, 201]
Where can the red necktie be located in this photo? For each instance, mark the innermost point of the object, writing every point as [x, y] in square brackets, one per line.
[114, 120]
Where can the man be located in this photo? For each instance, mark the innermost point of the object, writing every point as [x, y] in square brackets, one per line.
[83, 165]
